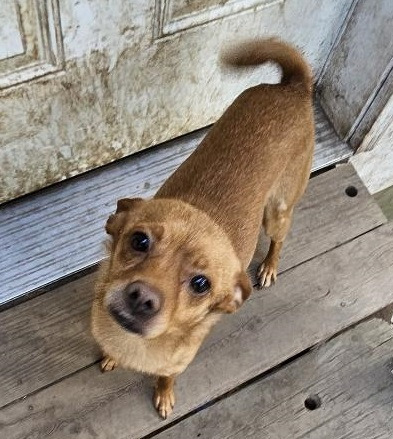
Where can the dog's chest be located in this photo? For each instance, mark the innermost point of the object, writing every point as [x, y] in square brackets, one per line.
[161, 358]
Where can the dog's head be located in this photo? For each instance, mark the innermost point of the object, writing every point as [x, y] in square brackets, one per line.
[170, 267]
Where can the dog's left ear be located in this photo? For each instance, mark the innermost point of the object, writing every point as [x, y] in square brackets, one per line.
[241, 292]
[115, 220]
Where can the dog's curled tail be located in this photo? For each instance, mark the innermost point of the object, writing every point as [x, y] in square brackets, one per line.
[295, 69]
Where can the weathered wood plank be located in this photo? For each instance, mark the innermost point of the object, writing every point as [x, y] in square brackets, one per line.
[385, 202]
[350, 374]
[46, 338]
[375, 165]
[55, 326]
[73, 213]
[364, 137]
[312, 302]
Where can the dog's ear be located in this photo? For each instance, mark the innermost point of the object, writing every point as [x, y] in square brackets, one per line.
[116, 220]
[126, 204]
[241, 292]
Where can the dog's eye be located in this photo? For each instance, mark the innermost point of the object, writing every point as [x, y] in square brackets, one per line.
[200, 284]
[140, 242]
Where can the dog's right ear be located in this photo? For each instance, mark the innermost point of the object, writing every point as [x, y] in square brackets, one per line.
[126, 204]
[116, 220]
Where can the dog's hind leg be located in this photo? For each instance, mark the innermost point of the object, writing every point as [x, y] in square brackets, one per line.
[278, 212]
[277, 220]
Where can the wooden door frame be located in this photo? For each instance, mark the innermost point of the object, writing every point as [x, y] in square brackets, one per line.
[352, 98]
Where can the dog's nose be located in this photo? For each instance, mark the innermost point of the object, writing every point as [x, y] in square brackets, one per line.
[142, 300]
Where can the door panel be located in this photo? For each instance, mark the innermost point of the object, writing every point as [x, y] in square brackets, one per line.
[11, 41]
[30, 41]
[178, 15]
[101, 80]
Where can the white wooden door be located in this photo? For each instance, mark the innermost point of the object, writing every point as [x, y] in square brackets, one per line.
[83, 82]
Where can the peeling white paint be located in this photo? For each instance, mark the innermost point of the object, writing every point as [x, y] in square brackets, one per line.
[121, 90]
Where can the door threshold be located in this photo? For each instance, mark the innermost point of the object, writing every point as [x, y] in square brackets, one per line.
[59, 231]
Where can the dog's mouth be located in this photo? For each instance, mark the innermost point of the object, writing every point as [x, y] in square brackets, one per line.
[126, 321]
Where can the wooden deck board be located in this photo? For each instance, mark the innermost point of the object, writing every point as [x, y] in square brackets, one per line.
[351, 375]
[47, 338]
[311, 303]
[73, 213]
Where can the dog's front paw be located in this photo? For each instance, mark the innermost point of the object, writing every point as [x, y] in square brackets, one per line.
[107, 364]
[164, 401]
[267, 274]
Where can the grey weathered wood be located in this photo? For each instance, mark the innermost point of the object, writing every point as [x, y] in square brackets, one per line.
[311, 303]
[375, 164]
[377, 107]
[385, 201]
[360, 63]
[352, 376]
[47, 337]
[59, 231]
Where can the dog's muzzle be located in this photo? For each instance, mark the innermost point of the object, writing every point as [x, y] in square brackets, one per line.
[134, 306]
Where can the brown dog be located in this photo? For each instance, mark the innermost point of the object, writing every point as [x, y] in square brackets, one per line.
[178, 261]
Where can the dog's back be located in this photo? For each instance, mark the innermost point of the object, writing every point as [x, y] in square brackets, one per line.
[265, 137]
